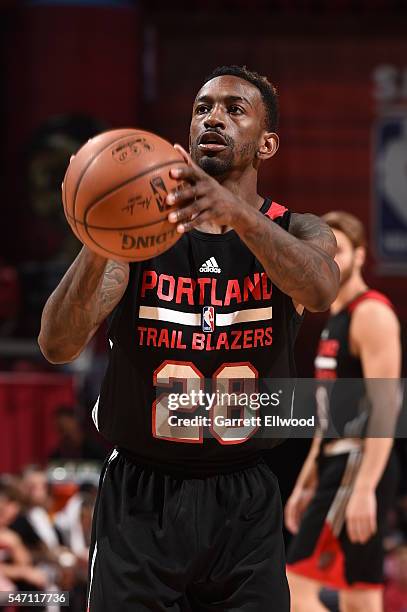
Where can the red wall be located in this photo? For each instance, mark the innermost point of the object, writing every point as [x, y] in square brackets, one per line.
[61, 60]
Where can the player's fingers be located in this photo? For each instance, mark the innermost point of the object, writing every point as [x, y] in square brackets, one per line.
[184, 154]
[363, 529]
[290, 516]
[185, 194]
[186, 213]
[195, 220]
[186, 173]
[366, 528]
[292, 524]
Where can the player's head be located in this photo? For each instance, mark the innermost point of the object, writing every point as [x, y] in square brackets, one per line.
[67, 423]
[351, 240]
[35, 486]
[235, 111]
[10, 502]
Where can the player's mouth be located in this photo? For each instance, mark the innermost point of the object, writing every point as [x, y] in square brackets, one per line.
[212, 142]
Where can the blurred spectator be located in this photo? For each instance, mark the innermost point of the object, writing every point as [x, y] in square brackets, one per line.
[15, 560]
[75, 524]
[75, 521]
[74, 443]
[34, 524]
[60, 548]
[395, 594]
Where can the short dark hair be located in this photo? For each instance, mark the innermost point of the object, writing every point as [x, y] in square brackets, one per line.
[9, 490]
[267, 90]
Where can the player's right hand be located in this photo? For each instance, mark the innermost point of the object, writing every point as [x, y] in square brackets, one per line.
[295, 508]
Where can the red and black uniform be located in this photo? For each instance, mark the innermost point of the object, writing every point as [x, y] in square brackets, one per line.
[322, 550]
[184, 515]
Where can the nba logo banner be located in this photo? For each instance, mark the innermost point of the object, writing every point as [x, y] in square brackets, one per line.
[390, 192]
[208, 319]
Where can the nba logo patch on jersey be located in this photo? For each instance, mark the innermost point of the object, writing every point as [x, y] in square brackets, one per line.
[208, 319]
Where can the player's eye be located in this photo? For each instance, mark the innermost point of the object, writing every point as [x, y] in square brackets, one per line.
[235, 110]
[201, 109]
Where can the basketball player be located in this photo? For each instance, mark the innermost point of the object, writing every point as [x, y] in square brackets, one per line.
[338, 505]
[184, 519]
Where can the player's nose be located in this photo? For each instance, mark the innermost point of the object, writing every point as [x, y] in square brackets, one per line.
[214, 120]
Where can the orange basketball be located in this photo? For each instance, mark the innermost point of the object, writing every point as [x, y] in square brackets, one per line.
[114, 194]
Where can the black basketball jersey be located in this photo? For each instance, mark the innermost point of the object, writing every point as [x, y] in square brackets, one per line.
[346, 412]
[203, 314]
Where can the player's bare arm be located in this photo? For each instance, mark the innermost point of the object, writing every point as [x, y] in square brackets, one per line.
[300, 262]
[86, 295]
[375, 338]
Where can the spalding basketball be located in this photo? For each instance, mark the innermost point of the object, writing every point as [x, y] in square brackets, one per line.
[114, 194]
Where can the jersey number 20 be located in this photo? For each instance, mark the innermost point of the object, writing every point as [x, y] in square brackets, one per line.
[239, 379]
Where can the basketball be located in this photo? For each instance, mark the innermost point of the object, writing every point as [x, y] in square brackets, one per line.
[114, 194]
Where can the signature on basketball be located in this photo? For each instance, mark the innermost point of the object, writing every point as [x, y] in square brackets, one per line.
[136, 201]
[126, 151]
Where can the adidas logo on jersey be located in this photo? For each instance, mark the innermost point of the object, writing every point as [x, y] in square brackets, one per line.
[210, 265]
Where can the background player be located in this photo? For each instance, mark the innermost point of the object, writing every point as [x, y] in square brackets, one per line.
[173, 505]
[349, 480]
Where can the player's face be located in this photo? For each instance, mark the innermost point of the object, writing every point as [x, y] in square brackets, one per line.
[9, 510]
[345, 256]
[227, 126]
[37, 489]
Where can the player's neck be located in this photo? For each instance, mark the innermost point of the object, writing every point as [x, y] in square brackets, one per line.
[347, 292]
[244, 185]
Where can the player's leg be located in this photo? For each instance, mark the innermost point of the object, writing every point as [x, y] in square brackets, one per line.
[137, 561]
[242, 547]
[304, 594]
[364, 563]
[359, 600]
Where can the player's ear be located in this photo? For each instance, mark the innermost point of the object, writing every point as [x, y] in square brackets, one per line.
[360, 256]
[269, 146]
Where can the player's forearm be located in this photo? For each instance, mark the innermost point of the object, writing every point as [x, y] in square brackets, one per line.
[303, 271]
[385, 401]
[376, 453]
[70, 315]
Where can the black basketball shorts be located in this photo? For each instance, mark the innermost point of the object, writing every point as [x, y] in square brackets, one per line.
[322, 550]
[161, 542]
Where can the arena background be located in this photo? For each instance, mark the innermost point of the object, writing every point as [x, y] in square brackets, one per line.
[71, 69]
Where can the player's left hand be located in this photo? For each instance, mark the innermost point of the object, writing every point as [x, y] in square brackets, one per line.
[360, 515]
[203, 199]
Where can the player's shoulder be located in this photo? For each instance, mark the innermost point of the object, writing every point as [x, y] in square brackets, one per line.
[369, 302]
[373, 311]
[307, 224]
